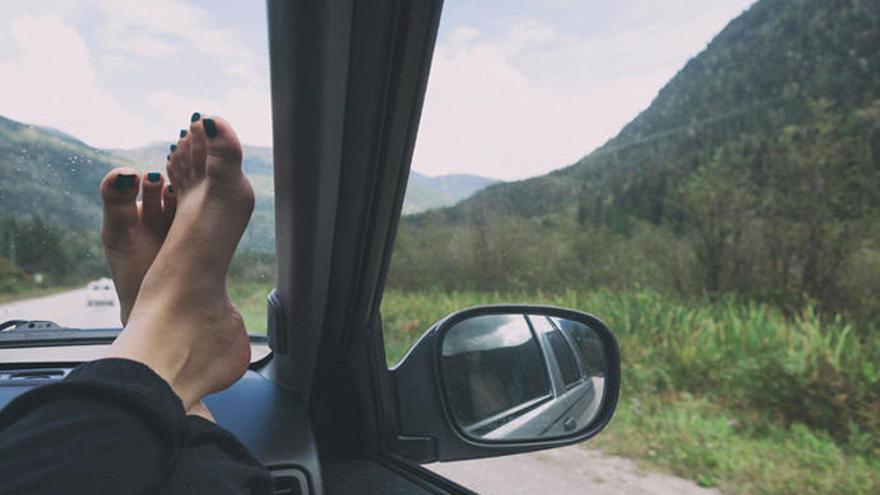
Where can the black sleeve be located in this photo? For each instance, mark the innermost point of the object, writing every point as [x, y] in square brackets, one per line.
[212, 461]
[111, 426]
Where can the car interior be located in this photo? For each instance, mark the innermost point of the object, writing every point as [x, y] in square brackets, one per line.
[321, 408]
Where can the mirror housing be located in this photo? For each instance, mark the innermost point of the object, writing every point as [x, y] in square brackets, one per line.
[430, 424]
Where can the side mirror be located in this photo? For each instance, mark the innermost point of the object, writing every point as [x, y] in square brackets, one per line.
[497, 380]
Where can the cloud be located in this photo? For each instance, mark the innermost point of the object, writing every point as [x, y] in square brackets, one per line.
[50, 81]
[484, 115]
[180, 21]
[247, 108]
[464, 34]
[518, 97]
[242, 88]
[145, 46]
[101, 72]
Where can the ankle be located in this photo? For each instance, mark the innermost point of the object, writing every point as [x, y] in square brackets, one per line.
[169, 362]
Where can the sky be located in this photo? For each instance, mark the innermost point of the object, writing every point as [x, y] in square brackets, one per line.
[517, 88]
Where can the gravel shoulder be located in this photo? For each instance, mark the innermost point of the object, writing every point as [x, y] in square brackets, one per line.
[568, 470]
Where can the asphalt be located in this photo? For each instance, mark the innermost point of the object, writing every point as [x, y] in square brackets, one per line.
[68, 309]
[569, 470]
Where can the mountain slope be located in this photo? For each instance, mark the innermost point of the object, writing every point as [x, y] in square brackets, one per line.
[257, 159]
[753, 171]
[424, 192]
[50, 174]
[53, 175]
[757, 76]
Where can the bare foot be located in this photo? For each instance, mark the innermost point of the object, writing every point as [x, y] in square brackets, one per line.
[133, 231]
[182, 324]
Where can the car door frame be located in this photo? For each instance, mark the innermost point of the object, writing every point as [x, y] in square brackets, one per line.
[348, 83]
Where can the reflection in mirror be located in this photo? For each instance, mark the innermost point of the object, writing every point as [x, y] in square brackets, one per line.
[522, 377]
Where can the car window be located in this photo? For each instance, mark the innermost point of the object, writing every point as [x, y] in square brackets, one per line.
[98, 85]
[488, 363]
[568, 366]
[587, 345]
[702, 177]
[565, 358]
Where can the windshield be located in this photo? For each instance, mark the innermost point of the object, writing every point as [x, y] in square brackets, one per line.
[89, 86]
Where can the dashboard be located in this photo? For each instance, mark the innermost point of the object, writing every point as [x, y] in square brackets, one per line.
[270, 421]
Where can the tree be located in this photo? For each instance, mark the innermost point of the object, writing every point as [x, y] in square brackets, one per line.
[718, 202]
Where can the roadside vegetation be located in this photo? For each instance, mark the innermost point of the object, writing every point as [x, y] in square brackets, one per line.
[727, 392]
[38, 257]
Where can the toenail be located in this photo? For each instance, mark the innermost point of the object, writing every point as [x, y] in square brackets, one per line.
[182, 133]
[195, 117]
[170, 188]
[210, 127]
[173, 147]
[167, 157]
[124, 181]
[154, 176]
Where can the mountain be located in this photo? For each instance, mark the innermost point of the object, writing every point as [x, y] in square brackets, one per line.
[757, 76]
[55, 176]
[257, 159]
[257, 164]
[753, 171]
[424, 192]
[51, 174]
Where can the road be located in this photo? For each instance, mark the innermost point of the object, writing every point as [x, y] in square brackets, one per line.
[68, 309]
[569, 470]
[565, 471]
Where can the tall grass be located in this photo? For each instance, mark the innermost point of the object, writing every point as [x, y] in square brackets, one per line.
[729, 393]
[726, 392]
[742, 354]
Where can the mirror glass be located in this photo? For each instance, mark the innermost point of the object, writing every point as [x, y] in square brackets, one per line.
[518, 377]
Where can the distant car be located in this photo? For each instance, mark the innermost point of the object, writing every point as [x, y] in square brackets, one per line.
[101, 292]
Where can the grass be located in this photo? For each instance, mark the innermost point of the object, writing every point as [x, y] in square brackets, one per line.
[738, 452]
[250, 298]
[727, 393]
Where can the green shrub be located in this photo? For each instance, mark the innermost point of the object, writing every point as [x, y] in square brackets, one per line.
[743, 355]
[726, 392]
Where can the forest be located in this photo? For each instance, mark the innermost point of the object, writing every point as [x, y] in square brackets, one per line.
[786, 217]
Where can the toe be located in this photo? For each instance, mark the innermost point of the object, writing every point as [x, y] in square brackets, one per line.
[169, 205]
[151, 199]
[184, 149]
[119, 190]
[174, 175]
[198, 143]
[179, 169]
[221, 138]
[223, 147]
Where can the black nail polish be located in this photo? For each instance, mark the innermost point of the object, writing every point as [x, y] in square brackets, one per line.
[210, 127]
[173, 147]
[195, 117]
[182, 133]
[167, 157]
[170, 188]
[154, 176]
[124, 181]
